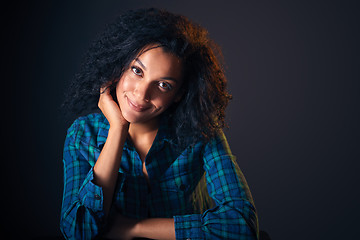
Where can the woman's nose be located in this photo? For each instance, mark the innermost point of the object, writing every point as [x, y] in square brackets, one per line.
[142, 91]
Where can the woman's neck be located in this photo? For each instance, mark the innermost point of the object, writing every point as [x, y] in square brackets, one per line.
[143, 129]
[143, 135]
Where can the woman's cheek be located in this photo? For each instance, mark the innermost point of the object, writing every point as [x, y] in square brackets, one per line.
[126, 84]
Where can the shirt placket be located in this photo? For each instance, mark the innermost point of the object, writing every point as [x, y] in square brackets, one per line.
[140, 188]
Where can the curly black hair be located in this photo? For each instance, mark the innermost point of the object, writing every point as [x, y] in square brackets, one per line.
[201, 111]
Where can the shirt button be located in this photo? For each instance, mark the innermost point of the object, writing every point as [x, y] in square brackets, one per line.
[97, 197]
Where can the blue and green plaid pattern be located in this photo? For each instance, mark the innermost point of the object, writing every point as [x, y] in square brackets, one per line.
[174, 174]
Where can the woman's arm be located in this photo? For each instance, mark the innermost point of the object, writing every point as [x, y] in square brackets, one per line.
[85, 203]
[234, 216]
[152, 228]
[107, 165]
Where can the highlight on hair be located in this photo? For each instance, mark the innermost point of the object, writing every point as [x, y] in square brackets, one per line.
[200, 112]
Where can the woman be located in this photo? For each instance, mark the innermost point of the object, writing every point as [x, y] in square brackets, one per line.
[154, 163]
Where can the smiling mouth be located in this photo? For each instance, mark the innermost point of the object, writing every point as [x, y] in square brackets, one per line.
[136, 107]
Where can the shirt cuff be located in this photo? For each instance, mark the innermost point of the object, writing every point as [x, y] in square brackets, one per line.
[188, 227]
[91, 195]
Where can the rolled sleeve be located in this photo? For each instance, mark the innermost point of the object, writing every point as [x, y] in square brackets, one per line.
[91, 195]
[188, 227]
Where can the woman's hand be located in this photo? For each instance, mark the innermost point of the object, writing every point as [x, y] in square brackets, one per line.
[111, 109]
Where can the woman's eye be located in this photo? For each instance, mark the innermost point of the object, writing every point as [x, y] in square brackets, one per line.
[165, 86]
[136, 71]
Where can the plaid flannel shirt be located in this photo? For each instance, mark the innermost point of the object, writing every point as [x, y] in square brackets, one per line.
[173, 176]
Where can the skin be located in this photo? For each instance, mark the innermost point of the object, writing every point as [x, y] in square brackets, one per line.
[146, 89]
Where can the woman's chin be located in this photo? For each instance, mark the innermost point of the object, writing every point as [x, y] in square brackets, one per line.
[135, 118]
[130, 117]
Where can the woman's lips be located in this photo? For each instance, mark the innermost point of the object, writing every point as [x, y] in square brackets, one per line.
[136, 107]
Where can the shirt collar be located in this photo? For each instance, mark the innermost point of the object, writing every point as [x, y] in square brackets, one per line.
[164, 134]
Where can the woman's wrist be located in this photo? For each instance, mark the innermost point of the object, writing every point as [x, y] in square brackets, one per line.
[119, 128]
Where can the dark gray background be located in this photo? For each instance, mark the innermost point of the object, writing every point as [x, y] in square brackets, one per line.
[293, 70]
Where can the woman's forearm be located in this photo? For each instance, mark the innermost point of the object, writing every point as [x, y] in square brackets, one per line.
[153, 228]
[107, 165]
[156, 228]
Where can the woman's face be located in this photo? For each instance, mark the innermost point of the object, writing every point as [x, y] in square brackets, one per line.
[150, 85]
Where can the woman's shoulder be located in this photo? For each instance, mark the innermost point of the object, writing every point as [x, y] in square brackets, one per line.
[87, 125]
[91, 118]
[217, 137]
[218, 144]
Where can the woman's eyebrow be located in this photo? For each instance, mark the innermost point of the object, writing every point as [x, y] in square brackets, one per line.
[140, 63]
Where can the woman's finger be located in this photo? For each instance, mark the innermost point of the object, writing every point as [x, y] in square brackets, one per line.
[105, 89]
[105, 94]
